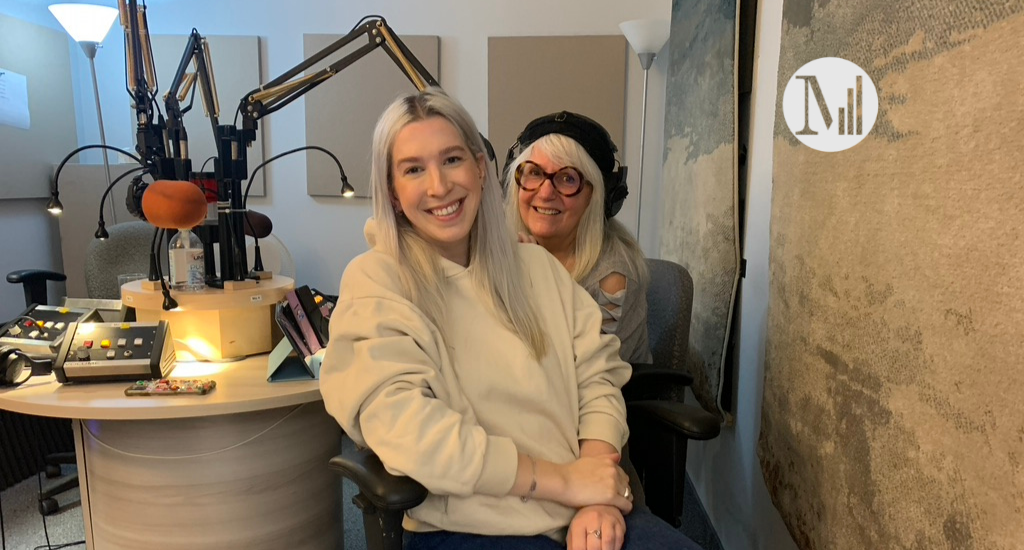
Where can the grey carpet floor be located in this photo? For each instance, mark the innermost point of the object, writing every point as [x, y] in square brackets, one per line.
[23, 526]
[695, 521]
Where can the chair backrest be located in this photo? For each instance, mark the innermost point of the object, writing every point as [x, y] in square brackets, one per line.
[126, 251]
[669, 305]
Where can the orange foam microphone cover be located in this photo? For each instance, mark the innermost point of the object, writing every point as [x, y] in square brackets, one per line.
[174, 204]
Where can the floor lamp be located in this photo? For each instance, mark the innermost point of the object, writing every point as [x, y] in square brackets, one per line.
[88, 25]
[647, 37]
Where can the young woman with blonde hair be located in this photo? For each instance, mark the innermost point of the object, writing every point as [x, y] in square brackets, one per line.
[473, 364]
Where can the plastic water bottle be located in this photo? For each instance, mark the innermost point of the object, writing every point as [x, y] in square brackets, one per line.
[187, 268]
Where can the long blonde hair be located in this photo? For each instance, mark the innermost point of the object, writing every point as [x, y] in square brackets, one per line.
[595, 235]
[493, 261]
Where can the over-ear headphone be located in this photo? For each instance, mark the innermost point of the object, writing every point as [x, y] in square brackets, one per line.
[594, 139]
[133, 199]
[16, 366]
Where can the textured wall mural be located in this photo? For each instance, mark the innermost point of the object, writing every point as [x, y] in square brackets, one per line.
[699, 219]
[894, 395]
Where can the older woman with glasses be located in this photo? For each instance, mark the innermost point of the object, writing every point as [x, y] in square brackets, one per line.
[564, 189]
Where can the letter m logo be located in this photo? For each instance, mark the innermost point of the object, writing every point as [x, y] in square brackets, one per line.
[811, 84]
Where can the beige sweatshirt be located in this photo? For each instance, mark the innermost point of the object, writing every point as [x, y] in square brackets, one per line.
[453, 415]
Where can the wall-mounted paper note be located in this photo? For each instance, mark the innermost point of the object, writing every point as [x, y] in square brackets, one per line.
[13, 99]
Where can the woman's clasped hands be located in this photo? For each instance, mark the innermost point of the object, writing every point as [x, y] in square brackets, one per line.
[600, 525]
[597, 480]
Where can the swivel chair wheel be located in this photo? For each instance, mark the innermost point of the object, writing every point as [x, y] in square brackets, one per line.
[48, 506]
[52, 471]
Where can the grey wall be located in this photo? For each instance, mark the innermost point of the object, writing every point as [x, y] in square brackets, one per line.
[40, 55]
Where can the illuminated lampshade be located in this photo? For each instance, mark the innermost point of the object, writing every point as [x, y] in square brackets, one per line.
[646, 35]
[88, 24]
[85, 22]
[54, 206]
[347, 190]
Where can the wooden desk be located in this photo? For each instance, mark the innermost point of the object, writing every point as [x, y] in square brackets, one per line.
[242, 467]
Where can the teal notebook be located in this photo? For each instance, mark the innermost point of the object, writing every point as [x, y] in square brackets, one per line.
[286, 365]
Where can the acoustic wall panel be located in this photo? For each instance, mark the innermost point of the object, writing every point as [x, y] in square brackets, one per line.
[531, 76]
[700, 217]
[342, 112]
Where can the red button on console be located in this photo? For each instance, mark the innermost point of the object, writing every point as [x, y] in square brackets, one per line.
[88, 344]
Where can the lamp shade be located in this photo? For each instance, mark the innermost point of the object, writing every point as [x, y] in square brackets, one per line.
[646, 35]
[85, 22]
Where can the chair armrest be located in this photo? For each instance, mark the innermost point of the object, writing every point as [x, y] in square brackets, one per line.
[654, 374]
[33, 282]
[383, 490]
[693, 422]
[31, 275]
[649, 381]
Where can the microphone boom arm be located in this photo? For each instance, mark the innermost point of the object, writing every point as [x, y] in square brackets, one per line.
[163, 146]
[276, 94]
[232, 142]
[196, 53]
[150, 138]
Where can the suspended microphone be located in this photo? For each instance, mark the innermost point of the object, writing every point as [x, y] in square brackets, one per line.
[257, 225]
[171, 204]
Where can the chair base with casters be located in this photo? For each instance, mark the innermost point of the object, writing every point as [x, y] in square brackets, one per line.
[47, 497]
[34, 283]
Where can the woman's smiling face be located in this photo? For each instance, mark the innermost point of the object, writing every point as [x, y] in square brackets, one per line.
[437, 184]
[545, 212]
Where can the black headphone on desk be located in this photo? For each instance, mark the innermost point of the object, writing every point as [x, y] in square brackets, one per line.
[594, 139]
[16, 366]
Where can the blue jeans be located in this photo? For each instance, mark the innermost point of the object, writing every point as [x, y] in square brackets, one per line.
[644, 531]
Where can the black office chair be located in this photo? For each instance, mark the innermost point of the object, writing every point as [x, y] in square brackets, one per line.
[659, 423]
[34, 283]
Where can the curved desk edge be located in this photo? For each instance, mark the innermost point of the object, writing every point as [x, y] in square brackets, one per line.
[241, 387]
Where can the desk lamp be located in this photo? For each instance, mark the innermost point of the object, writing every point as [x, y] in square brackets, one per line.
[647, 37]
[88, 25]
